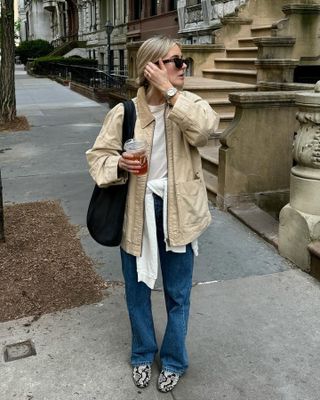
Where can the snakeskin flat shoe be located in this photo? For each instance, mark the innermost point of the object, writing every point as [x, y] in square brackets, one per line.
[167, 381]
[141, 375]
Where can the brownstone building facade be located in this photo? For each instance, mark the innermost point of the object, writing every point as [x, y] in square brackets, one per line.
[150, 17]
[147, 18]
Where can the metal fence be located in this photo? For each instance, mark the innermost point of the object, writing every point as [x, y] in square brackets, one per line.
[89, 76]
[115, 71]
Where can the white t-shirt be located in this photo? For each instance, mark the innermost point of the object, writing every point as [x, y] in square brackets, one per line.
[158, 167]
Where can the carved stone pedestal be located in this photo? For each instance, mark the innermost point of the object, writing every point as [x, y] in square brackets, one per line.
[300, 219]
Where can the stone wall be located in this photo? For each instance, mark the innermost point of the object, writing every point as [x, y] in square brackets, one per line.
[255, 156]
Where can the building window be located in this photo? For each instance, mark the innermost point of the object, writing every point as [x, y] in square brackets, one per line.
[153, 7]
[172, 5]
[101, 60]
[93, 16]
[189, 71]
[103, 14]
[121, 62]
[114, 11]
[112, 61]
[27, 26]
[124, 10]
[137, 9]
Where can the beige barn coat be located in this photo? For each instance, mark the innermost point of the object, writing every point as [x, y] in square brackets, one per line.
[187, 126]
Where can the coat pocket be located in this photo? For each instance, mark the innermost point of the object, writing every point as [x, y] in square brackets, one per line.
[192, 202]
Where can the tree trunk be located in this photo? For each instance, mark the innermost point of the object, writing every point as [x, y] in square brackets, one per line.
[2, 239]
[7, 85]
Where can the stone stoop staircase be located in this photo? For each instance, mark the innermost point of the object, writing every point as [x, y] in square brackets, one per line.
[236, 72]
[66, 47]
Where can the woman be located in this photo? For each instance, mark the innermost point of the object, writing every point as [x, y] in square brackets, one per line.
[167, 208]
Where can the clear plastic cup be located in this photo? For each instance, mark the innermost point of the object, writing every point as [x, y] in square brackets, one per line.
[138, 148]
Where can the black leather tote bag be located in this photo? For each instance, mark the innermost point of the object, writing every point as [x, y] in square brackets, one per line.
[107, 205]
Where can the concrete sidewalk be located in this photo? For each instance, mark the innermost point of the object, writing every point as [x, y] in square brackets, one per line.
[254, 331]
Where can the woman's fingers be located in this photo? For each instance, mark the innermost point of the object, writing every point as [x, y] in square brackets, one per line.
[161, 65]
[127, 163]
[156, 75]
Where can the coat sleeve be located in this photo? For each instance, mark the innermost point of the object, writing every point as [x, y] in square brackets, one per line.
[103, 157]
[196, 119]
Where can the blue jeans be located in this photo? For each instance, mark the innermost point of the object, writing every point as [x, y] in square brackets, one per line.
[177, 271]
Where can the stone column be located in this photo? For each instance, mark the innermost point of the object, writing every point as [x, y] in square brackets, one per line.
[300, 219]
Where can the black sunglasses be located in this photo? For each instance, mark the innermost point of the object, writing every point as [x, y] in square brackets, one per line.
[178, 62]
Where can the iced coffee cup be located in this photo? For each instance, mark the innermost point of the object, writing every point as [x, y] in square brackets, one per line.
[138, 148]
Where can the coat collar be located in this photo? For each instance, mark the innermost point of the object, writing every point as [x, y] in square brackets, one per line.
[145, 115]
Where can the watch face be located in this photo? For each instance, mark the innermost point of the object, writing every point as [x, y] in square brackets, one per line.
[171, 92]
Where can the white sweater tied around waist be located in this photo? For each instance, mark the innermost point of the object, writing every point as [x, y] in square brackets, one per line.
[148, 263]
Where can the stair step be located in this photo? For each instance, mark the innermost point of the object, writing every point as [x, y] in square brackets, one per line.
[247, 41]
[214, 138]
[314, 249]
[258, 220]
[241, 52]
[210, 164]
[221, 105]
[235, 63]
[236, 75]
[211, 181]
[226, 116]
[210, 153]
[225, 120]
[262, 30]
[206, 87]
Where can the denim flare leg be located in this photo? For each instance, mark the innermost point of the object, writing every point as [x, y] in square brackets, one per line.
[177, 271]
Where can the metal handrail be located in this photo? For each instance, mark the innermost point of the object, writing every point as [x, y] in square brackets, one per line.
[90, 76]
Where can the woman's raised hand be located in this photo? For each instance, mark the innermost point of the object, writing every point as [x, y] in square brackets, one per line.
[157, 75]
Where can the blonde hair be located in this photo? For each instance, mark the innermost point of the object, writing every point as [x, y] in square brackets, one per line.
[151, 50]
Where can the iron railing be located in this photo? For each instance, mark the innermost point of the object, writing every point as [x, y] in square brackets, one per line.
[89, 76]
[115, 71]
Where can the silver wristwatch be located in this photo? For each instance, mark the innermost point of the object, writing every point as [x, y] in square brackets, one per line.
[169, 93]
